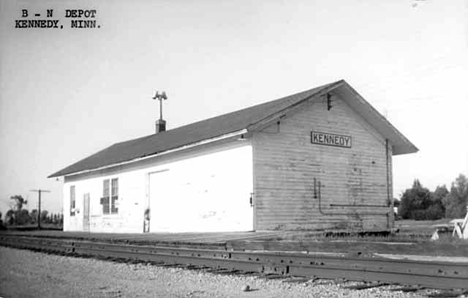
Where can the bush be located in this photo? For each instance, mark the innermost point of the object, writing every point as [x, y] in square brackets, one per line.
[420, 204]
[433, 212]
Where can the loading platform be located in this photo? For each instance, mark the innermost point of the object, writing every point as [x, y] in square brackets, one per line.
[272, 241]
[212, 240]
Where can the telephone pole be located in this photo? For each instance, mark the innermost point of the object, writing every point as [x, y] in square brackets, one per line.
[39, 191]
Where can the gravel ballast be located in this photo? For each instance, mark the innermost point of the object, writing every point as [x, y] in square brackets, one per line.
[31, 274]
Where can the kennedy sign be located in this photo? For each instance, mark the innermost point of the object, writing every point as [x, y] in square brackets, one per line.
[330, 139]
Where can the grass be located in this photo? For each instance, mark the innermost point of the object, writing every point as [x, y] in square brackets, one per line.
[413, 238]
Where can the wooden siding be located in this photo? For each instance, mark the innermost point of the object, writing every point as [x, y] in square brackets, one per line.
[286, 163]
[134, 184]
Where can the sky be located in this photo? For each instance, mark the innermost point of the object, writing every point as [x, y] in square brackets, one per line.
[67, 93]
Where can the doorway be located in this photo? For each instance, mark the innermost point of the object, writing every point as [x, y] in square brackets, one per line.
[86, 199]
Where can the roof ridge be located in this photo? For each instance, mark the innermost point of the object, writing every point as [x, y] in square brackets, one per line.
[195, 132]
[233, 112]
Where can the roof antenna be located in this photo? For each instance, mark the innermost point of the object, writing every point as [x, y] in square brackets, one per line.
[160, 124]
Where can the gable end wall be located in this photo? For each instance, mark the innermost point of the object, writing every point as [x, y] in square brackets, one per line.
[286, 163]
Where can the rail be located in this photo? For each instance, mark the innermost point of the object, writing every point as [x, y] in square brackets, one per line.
[438, 275]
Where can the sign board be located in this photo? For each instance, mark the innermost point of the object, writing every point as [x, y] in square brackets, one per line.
[329, 139]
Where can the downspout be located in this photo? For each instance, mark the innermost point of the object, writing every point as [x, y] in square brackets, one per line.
[390, 216]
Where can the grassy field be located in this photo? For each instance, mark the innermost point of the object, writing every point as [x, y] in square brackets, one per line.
[421, 227]
[412, 238]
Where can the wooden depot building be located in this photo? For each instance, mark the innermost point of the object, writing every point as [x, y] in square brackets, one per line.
[319, 159]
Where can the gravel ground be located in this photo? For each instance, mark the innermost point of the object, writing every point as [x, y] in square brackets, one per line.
[31, 274]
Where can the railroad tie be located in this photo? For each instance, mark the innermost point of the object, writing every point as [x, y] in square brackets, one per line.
[366, 286]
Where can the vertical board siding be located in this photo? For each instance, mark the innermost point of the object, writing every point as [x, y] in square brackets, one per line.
[286, 163]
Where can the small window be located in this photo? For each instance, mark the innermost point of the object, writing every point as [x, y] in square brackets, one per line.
[110, 196]
[72, 200]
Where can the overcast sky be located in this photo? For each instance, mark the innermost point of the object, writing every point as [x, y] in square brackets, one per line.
[67, 93]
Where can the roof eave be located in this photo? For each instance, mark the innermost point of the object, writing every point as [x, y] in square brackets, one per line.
[404, 149]
[185, 147]
[400, 144]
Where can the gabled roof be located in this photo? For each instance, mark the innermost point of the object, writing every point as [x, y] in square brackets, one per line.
[245, 119]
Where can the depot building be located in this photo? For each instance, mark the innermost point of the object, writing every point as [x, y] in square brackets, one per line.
[316, 160]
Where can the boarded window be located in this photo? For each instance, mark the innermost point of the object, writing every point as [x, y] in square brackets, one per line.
[110, 196]
[72, 200]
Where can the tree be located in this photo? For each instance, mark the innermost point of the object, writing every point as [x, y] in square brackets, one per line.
[415, 198]
[2, 227]
[18, 215]
[44, 214]
[456, 201]
[34, 213]
[437, 206]
[440, 193]
[420, 204]
[19, 202]
[10, 217]
[22, 217]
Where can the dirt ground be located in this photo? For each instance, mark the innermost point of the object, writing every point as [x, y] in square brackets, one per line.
[31, 274]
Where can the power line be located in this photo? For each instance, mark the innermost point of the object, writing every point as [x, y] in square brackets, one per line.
[39, 191]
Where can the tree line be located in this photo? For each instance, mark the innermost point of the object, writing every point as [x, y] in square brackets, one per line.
[419, 203]
[18, 215]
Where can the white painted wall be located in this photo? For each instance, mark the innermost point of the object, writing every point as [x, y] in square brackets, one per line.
[205, 189]
[204, 193]
[128, 220]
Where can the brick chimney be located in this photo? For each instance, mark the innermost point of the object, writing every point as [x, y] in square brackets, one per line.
[160, 125]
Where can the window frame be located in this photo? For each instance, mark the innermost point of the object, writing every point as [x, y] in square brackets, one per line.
[110, 196]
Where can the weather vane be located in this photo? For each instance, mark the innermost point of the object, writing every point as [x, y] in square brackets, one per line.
[160, 97]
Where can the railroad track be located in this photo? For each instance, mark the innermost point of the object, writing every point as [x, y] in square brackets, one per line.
[437, 275]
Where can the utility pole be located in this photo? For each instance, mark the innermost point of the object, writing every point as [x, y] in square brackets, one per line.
[39, 191]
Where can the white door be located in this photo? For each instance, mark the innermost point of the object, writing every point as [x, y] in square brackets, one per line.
[200, 196]
[86, 212]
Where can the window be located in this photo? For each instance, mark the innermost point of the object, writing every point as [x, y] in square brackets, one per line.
[110, 196]
[72, 200]
[114, 196]
[105, 198]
